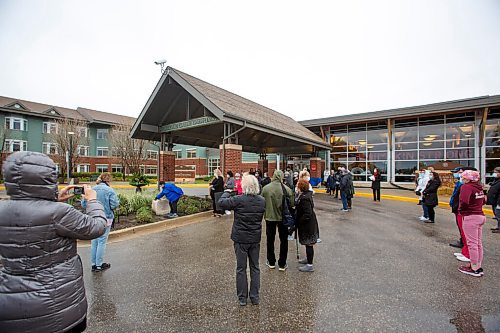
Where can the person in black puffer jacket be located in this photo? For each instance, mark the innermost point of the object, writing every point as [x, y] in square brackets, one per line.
[307, 224]
[430, 196]
[246, 233]
[494, 198]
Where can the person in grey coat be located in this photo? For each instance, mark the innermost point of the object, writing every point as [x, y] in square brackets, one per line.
[246, 233]
[41, 280]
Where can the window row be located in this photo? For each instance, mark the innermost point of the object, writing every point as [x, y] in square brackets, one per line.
[148, 169]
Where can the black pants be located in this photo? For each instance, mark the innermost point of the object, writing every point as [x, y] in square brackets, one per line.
[456, 221]
[310, 254]
[214, 202]
[250, 253]
[271, 235]
[173, 206]
[432, 214]
[376, 194]
[337, 189]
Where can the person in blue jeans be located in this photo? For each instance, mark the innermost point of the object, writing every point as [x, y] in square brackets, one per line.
[173, 194]
[109, 200]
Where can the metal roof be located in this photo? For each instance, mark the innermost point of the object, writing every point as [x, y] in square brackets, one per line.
[450, 106]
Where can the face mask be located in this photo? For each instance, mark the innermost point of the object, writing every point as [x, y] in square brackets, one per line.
[495, 174]
[456, 175]
[307, 178]
[431, 177]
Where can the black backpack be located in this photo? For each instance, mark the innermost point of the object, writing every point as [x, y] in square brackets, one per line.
[288, 213]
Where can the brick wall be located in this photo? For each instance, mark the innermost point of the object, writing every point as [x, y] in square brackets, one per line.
[232, 160]
[200, 163]
[167, 166]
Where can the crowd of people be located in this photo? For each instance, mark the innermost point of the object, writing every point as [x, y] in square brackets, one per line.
[31, 181]
[466, 203]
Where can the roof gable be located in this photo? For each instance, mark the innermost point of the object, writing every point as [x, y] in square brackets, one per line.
[17, 105]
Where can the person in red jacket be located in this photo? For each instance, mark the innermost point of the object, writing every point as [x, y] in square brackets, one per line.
[470, 207]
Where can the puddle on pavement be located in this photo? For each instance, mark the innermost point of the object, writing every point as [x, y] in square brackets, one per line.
[467, 322]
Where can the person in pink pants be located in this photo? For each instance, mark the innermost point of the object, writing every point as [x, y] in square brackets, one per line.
[470, 207]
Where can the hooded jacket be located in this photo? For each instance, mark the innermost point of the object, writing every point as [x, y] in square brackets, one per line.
[41, 281]
[273, 193]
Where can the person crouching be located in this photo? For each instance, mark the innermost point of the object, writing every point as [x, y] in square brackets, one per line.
[307, 224]
[173, 193]
[246, 234]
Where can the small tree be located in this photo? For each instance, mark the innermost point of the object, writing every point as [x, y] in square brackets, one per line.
[63, 141]
[129, 152]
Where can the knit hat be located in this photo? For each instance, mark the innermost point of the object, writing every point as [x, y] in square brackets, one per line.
[471, 175]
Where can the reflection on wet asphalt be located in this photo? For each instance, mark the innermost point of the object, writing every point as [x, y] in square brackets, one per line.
[378, 269]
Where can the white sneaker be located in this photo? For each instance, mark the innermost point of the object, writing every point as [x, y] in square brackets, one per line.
[462, 258]
[290, 237]
[228, 212]
[318, 240]
[457, 254]
[421, 218]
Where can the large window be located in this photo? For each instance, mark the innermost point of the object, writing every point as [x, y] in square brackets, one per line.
[424, 141]
[49, 148]
[116, 168]
[151, 154]
[191, 153]
[360, 148]
[13, 123]
[16, 145]
[102, 133]
[101, 168]
[83, 168]
[49, 128]
[213, 163]
[178, 153]
[83, 150]
[102, 151]
[492, 143]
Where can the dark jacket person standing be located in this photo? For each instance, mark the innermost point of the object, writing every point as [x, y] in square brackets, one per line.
[375, 178]
[273, 193]
[216, 188]
[307, 224]
[246, 233]
[41, 281]
[430, 196]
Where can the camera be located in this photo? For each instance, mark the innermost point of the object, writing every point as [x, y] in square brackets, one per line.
[79, 190]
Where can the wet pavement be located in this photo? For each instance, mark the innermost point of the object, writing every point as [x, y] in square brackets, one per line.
[378, 269]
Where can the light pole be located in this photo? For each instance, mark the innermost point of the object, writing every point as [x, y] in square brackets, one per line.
[70, 155]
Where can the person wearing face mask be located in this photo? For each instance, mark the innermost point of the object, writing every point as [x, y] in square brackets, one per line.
[422, 180]
[430, 197]
[375, 178]
[237, 183]
[463, 255]
[470, 207]
[346, 190]
[494, 198]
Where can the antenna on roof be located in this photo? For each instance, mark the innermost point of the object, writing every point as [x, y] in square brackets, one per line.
[162, 63]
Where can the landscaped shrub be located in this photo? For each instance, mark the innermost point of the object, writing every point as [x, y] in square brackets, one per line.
[124, 206]
[136, 201]
[144, 215]
[192, 205]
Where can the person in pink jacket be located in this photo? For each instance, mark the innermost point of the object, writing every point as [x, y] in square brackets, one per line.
[470, 207]
[237, 183]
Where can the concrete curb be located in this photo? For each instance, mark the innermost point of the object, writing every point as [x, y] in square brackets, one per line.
[123, 234]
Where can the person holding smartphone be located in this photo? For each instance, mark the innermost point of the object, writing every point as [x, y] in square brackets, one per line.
[41, 276]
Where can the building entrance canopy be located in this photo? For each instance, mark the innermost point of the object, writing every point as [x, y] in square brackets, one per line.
[185, 110]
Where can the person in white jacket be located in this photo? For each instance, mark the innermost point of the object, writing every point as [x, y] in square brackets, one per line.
[423, 179]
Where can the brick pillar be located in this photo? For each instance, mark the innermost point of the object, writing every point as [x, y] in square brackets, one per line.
[315, 167]
[167, 166]
[263, 165]
[233, 158]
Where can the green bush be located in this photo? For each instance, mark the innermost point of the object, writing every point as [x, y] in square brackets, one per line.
[144, 215]
[192, 205]
[137, 201]
[123, 208]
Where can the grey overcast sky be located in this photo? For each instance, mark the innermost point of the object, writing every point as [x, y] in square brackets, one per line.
[306, 59]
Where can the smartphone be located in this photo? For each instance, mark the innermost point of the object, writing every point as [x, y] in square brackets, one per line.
[79, 190]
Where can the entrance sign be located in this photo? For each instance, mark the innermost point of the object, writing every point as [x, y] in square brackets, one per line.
[191, 123]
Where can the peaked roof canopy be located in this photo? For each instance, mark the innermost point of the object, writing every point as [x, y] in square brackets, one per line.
[193, 112]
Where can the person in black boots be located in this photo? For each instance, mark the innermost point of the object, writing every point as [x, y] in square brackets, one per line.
[430, 196]
[375, 178]
[246, 234]
[216, 189]
[307, 224]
